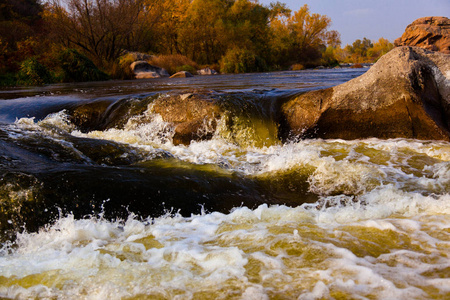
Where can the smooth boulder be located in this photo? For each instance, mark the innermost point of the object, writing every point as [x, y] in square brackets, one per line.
[207, 71]
[406, 94]
[182, 74]
[142, 69]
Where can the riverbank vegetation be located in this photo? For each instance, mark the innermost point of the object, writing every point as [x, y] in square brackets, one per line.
[80, 40]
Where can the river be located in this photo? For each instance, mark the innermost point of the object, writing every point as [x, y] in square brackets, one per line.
[115, 210]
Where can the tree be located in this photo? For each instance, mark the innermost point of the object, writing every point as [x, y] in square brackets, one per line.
[20, 21]
[379, 49]
[102, 29]
[172, 15]
[202, 34]
[301, 37]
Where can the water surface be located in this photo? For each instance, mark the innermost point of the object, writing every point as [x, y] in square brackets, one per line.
[120, 212]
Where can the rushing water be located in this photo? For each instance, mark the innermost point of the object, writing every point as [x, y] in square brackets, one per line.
[120, 212]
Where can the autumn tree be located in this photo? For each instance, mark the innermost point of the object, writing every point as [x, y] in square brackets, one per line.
[380, 48]
[171, 18]
[202, 34]
[102, 29]
[20, 23]
[300, 36]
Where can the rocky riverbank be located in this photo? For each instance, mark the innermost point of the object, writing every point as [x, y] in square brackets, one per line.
[406, 94]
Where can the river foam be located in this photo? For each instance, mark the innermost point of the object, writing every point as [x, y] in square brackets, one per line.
[396, 247]
[380, 228]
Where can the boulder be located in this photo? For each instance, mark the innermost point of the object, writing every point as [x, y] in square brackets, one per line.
[207, 71]
[182, 74]
[406, 94]
[432, 33]
[142, 69]
[194, 116]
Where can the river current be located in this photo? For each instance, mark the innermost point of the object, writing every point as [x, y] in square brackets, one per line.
[117, 211]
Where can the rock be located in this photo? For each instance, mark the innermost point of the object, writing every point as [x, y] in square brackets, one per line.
[87, 116]
[431, 33]
[194, 116]
[182, 74]
[356, 66]
[406, 94]
[207, 71]
[143, 69]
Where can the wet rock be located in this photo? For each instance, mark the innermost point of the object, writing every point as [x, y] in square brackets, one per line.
[182, 74]
[431, 33]
[207, 71]
[142, 69]
[406, 94]
[87, 116]
[194, 116]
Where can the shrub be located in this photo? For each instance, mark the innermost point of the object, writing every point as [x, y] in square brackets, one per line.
[77, 67]
[120, 69]
[297, 67]
[187, 68]
[8, 79]
[33, 72]
[241, 61]
[174, 63]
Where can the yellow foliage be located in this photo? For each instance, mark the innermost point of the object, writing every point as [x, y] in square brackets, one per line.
[172, 62]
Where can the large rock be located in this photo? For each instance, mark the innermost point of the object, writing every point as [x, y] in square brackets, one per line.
[406, 94]
[194, 116]
[432, 33]
[142, 69]
[207, 71]
[182, 74]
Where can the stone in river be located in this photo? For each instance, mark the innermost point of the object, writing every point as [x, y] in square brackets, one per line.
[406, 94]
[182, 74]
[143, 69]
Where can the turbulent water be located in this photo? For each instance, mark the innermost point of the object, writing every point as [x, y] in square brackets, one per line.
[120, 212]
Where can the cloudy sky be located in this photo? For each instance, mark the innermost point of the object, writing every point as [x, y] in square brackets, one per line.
[356, 19]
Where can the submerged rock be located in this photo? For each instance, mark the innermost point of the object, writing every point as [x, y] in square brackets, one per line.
[182, 74]
[143, 69]
[406, 94]
[431, 33]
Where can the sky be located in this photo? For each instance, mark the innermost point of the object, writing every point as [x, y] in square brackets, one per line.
[373, 19]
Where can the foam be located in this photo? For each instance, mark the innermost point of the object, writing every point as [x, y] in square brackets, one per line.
[379, 229]
[107, 259]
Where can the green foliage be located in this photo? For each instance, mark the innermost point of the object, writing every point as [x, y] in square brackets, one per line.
[8, 79]
[187, 68]
[364, 51]
[33, 72]
[241, 61]
[329, 57]
[120, 68]
[76, 67]
[240, 35]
